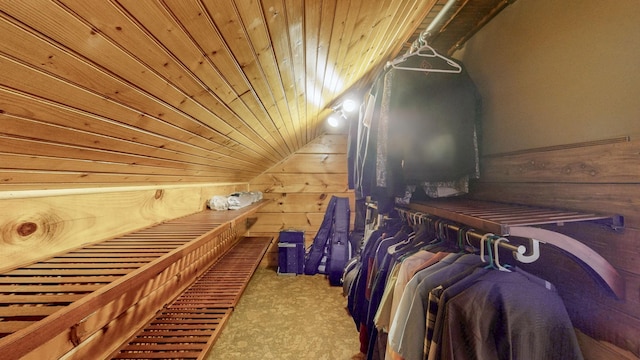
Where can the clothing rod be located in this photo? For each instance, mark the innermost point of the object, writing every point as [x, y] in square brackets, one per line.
[478, 236]
[425, 34]
[471, 233]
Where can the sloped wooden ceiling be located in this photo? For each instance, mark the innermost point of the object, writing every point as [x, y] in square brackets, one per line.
[180, 91]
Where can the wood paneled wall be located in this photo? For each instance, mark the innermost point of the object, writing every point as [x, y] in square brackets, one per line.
[99, 93]
[40, 224]
[603, 178]
[300, 187]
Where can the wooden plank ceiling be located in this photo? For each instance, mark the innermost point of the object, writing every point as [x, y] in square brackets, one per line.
[117, 92]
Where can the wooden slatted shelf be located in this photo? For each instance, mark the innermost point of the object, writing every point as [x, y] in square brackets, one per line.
[500, 218]
[189, 326]
[524, 221]
[69, 300]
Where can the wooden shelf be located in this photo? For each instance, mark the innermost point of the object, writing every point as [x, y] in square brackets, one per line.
[524, 221]
[77, 295]
[501, 218]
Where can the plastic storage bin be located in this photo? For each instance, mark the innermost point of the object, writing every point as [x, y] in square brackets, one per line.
[291, 252]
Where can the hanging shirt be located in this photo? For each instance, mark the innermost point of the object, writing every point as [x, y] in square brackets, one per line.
[398, 323]
[394, 289]
[411, 345]
[365, 166]
[383, 262]
[508, 315]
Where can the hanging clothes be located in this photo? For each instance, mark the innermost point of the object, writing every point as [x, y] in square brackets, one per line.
[407, 334]
[416, 296]
[507, 315]
[358, 298]
[434, 119]
[366, 142]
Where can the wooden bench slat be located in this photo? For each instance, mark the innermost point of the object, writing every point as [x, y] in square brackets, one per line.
[164, 347]
[102, 279]
[68, 272]
[185, 334]
[99, 259]
[7, 327]
[13, 311]
[39, 299]
[141, 271]
[87, 265]
[203, 294]
[158, 355]
[48, 288]
[169, 339]
[113, 253]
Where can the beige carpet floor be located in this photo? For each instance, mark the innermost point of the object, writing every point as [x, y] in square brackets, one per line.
[288, 317]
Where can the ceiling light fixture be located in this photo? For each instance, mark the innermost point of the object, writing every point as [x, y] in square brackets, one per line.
[334, 120]
[349, 105]
[340, 112]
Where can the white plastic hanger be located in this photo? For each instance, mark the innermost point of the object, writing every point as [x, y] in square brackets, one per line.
[429, 52]
[496, 257]
[485, 239]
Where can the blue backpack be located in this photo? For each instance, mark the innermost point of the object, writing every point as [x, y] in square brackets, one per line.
[331, 248]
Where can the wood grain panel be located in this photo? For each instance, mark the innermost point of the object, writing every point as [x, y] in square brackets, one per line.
[326, 144]
[609, 198]
[385, 33]
[300, 202]
[291, 183]
[312, 24]
[201, 28]
[594, 177]
[300, 188]
[34, 228]
[85, 75]
[224, 84]
[276, 73]
[274, 222]
[225, 16]
[313, 163]
[38, 180]
[601, 350]
[50, 87]
[25, 147]
[164, 28]
[44, 163]
[590, 164]
[36, 118]
[372, 25]
[24, 128]
[295, 11]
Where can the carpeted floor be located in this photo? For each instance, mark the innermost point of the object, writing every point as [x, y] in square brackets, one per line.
[289, 317]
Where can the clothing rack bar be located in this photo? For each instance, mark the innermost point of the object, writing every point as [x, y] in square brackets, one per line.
[516, 220]
[428, 32]
[500, 218]
[424, 36]
[469, 232]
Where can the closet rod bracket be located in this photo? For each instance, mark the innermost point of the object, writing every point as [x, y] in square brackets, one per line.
[529, 255]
